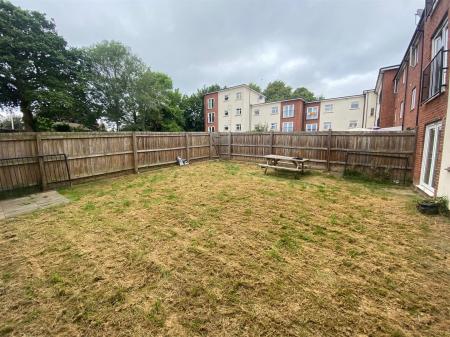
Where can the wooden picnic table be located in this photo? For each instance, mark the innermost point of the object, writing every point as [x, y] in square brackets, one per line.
[273, 161]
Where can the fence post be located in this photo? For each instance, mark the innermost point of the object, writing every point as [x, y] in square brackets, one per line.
[229, 145]
[329, 149]
[187, 145]
[210, 145]
[135, 153]
[41, 161]
[271, 142]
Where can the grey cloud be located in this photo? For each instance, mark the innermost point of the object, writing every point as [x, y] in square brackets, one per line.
[334, 47]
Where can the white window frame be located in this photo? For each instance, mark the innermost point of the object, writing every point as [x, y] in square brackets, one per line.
[238, 96]
[372, 112]
[328, 108]
[352, 107]
[351, 123]
[413, 98]
[226, 113]
[274, 110]
[327, 125]
[238, 127]
[414, 54]
[211, 128]
[211, 117]
[312, 112]
[288, 111]
[402, 109]
[442, 33]
[311, 127]
[273, 126]
[226, 98]
[404, 75]
[210, 103]
[239, 112]
[396, 86]
[288, 126]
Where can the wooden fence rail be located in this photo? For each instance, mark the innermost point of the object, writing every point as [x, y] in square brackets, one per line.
[94, 154]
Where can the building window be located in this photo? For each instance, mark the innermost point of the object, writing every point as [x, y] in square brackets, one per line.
[434, 75]
[238, 111]
[288, 111]
[372, 112]
[238, 96]
[354, 105]
[352, 124]
[312, 112]
[226, 97]
[414, 55]
[274, 110]
[327, 125]
[238, 127]
[402, 109]
[273, 126]
[226, 113]
[210, 117]
[210, 103]
[225, 128]
[257, 112]
[288, 126]
[396, 86]
[328, 107]
[403, 76]
[311, 127]
[413, 99]
[261, 97]
[210, 128]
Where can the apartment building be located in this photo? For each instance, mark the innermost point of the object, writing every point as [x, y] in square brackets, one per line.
[240, 108]
[342, 113]
[414, 95]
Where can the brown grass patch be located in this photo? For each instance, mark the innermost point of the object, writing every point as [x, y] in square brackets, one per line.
[219, 249]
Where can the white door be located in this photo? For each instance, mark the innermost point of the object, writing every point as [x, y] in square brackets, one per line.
[430, 149]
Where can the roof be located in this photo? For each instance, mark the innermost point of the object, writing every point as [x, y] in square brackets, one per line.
[234, 87]
[381, 72]
[342, 97]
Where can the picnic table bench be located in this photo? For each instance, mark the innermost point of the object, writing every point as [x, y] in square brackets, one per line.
[296, 164]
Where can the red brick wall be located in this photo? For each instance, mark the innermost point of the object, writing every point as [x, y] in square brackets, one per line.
[387, 99]
[399, 97]
[311, 121]
[215, 96]
[298, 114]
[435, 109]
[414, 74]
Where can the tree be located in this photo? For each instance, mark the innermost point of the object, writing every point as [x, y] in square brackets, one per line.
[33, 62]
[304, 93]
[255, 87]
[277, 91]
[193, 108]
[116, 74]
[261, 128]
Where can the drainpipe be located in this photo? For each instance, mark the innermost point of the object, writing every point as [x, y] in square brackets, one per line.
[364, 109]
[420, 82]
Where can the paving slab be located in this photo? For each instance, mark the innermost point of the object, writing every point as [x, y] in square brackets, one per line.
[15, 207]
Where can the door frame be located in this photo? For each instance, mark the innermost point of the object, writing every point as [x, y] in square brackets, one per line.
[428, 188]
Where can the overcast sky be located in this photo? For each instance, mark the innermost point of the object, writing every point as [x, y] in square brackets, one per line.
[333, 47]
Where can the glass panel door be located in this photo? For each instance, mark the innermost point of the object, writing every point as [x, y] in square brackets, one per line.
[430, 149]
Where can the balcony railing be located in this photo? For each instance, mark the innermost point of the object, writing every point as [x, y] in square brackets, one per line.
[433, 76]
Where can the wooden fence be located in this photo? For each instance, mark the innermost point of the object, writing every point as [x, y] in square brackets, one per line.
[92, 154]
[390, 153]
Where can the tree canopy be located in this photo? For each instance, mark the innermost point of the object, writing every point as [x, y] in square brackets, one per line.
[278, 90]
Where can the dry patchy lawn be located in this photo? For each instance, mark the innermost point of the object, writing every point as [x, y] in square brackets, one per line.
[219, 249]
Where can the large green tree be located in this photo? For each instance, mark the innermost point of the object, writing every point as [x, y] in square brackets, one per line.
[116, 73]
[255, 87]
[37, 69]
[304, 93]
[277, 91]
[193, 108]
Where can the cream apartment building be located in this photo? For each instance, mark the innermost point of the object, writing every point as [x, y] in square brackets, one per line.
[234, 107]
[342, 113]
[266, 116]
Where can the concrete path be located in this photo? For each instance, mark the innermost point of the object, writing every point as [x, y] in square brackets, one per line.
[14, 207]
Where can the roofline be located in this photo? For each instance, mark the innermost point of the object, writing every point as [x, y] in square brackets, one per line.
[341, 97]
[381, 71]
[233, 87]
[413, 39]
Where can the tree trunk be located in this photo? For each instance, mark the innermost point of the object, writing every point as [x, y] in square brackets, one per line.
[28, 120]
